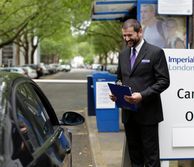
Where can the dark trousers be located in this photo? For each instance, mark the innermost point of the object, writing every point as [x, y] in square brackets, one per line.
[143, 144]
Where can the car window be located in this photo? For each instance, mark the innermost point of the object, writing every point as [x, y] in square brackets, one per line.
[34, 128]
[33, 114]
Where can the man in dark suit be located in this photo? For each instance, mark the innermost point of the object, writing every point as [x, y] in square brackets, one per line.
[147, 77]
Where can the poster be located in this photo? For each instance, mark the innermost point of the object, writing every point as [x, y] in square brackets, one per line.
[176, 132]
[103, 100]
[162, 30]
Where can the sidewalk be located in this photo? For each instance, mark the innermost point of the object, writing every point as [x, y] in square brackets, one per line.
[107, 147]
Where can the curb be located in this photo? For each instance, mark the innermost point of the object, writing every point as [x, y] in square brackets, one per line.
[94, 142]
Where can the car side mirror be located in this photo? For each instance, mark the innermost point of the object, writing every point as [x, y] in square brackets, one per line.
[71, 118]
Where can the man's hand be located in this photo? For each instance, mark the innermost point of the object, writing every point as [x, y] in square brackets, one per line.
[113, 98]
[134, 99]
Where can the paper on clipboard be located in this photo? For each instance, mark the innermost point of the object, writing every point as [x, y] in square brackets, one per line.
[119, 91]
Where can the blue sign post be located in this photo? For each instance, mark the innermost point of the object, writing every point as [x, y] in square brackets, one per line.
[107, 114]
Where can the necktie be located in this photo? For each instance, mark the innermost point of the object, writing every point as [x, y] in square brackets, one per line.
[133, 57]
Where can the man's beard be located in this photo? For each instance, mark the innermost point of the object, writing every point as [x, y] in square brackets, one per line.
[131, 43]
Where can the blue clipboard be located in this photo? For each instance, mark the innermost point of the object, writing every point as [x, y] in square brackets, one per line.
[119, 91]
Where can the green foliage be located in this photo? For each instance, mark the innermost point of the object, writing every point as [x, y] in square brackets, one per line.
[54, 46]
[63, 28]
[105, 37]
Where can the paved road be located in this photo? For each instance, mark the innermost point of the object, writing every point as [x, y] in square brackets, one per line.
[66, 97]
[72, 96]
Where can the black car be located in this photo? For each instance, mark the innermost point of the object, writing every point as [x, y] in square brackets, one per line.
[30, 133]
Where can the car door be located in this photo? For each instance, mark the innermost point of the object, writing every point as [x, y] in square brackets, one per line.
[44, 142]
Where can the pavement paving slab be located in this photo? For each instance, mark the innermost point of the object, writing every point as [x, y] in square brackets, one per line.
[107, 147]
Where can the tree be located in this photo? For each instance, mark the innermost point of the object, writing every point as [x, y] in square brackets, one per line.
[106, 37]
[23, 20]
[62, 25]
[47, 23]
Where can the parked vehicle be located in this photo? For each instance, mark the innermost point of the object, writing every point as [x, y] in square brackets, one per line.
[30, 133]
[18, 70]
[36, 67]
[65, 67]
[96, 66]
[31, 72]
[51, 68]
[44, 69]
[112, 68]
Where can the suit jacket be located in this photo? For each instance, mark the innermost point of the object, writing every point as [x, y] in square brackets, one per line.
[150, 77]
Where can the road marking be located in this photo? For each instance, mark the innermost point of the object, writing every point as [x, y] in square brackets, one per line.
[59, 81]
